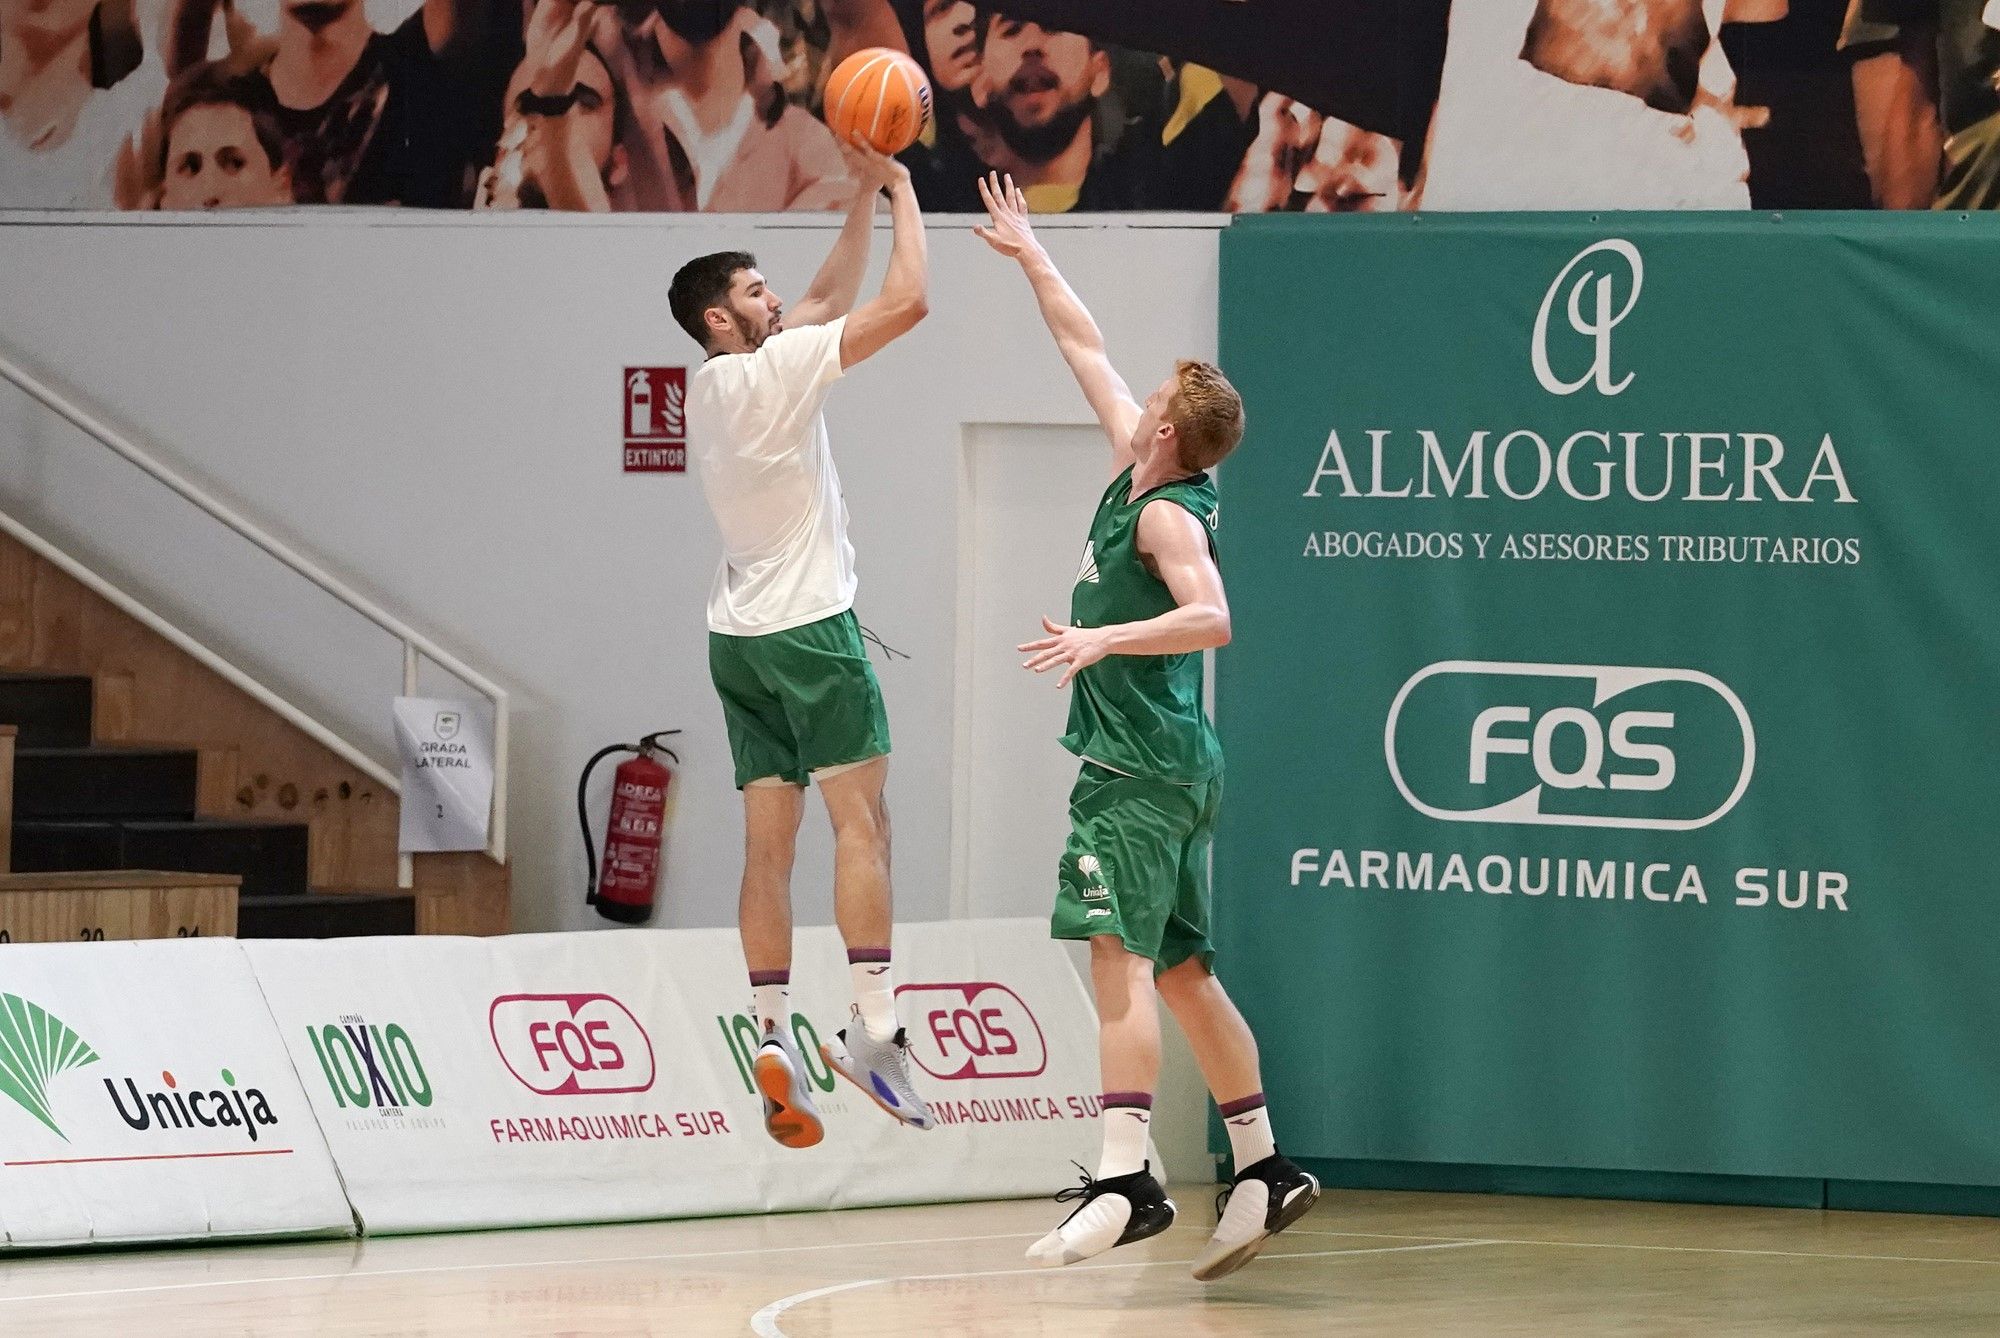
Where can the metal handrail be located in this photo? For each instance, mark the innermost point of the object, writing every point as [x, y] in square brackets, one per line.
[416, 646]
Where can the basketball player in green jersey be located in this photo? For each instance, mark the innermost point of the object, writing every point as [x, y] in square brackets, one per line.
[1134, 877]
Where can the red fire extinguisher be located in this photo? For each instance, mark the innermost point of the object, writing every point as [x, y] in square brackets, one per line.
[622, 886]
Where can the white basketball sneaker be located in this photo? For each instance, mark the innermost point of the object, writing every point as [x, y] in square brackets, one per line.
[1263, 1200]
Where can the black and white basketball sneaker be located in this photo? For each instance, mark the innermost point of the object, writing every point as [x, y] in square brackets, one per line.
[1263, 1200]
[1111, 1213]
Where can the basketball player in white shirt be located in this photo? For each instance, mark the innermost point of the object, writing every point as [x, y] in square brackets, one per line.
[798, 694]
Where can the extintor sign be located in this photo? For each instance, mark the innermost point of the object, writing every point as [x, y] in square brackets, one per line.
[655, 420]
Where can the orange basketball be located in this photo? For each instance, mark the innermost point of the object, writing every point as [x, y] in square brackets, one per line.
[880, 95]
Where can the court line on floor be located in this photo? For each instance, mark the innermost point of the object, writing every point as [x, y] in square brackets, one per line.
[588, 1261]
[764, 1324]
[1670, 1249]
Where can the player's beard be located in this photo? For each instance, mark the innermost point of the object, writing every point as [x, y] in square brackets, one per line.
[752, 333]
[1041, 143]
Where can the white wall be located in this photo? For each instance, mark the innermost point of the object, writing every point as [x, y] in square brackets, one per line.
[431, 405]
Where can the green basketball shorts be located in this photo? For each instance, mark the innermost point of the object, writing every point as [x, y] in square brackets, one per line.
[799, 702]
[1137, 865]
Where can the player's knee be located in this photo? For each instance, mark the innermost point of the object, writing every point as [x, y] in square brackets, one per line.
[772, 849]
[1185, 982]
[1108, 947]
[863, 825]
[1111, 960]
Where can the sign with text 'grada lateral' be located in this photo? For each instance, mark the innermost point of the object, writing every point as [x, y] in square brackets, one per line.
[448, 773]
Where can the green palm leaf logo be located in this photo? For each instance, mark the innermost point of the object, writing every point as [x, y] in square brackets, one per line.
[34, 1047]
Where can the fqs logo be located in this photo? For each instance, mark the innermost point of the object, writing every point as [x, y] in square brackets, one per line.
[1569, 745]
[35, 1046]
[566, 1044]
[1588, 302]
[973, 1030]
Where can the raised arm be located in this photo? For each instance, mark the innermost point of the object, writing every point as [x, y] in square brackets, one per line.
[1076, 333]
[905, 296]
[1176, 544]
[838, 282]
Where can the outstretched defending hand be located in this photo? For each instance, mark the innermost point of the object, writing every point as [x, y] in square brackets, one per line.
[1011, 234]
[1076, 647]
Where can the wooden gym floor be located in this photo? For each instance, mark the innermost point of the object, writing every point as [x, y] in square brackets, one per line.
[1362, 1263]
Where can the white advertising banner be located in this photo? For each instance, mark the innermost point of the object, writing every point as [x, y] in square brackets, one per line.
[145, 1095]
[597, 1077]
[447, 752]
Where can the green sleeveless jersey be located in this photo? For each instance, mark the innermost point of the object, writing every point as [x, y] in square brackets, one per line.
[1139, 714]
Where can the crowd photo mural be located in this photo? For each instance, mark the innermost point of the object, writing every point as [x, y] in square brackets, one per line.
[1237, 105]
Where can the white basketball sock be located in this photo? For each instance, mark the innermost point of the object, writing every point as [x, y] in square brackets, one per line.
[874, 991]
[771, 1000]
[1249, 1125]
[1126, 1125]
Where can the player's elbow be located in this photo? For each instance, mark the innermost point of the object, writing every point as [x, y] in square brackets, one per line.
[1218, 629]
[907, 309]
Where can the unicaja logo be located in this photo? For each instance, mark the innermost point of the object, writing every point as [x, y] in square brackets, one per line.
[1589, 298]
[169, 1107]
[35, 1046]
[1569, 745]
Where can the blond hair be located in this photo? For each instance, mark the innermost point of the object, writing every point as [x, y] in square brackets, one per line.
[1207, 414]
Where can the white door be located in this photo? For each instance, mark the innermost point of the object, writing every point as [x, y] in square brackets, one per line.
[1029, 495]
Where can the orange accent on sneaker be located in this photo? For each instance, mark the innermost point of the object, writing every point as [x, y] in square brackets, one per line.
[792, 1127]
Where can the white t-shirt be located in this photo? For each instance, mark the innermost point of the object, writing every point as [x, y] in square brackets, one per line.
[759, 443]
[78, 173]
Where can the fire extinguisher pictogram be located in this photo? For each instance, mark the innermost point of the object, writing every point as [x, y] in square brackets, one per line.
[622, 886]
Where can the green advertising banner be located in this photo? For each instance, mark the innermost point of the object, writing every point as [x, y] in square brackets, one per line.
[1611, 718]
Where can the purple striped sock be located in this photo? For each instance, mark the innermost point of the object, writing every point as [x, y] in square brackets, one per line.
[856, 956]
[1136, 1100]
[759, 979]
[1254, 1101]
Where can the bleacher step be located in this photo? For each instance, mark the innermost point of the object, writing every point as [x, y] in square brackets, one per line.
[49, 710]
[88, 784]
[327, 915]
